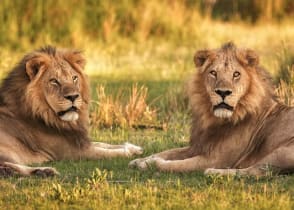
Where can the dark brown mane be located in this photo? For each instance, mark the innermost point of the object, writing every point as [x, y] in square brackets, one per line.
[229, 46]
[48, 50]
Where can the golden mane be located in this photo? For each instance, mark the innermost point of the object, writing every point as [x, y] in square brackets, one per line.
[260, 86]
[20, 95]
[253, 103]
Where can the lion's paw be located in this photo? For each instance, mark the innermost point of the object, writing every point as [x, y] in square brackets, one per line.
[6, 171]
[132, 149]
[44, 171]
[210, 171]
[145, 163]
[134, 163]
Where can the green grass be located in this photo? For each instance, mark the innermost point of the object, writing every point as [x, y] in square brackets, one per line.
[123, 188]
[79, 187]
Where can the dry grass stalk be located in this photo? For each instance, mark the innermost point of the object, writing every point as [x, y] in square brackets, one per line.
[285, 93]
[111, 111]
[285, 90]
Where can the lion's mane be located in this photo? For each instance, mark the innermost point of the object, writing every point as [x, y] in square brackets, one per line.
[205, 126]
[20, 106]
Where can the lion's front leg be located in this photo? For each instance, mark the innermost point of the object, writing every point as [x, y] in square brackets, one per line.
[102, 150]
[176, 160]
[197, 163]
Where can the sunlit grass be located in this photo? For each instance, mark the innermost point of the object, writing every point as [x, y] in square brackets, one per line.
[128, 108]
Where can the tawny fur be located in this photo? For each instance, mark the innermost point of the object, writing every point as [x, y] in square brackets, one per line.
[35, 124]
[257, 133]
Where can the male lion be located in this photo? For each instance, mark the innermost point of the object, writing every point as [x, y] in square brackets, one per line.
[44, 114]
[238, 125]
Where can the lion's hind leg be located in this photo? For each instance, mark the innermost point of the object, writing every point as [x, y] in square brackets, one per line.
[280, 161]
[250, 171]
[9, 169]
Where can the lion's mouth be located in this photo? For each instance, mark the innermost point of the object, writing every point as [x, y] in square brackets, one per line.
[70, 114]
[223, 110]
[71, 109]
[223, 105]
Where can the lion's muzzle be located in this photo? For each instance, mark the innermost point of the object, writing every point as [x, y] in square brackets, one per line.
[70, 114]
[223, 110]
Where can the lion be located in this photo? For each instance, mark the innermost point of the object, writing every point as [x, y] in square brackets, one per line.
[44, 114]
[238, 124]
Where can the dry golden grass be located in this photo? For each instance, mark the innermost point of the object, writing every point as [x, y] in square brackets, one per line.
[114, 111]
[285, 90]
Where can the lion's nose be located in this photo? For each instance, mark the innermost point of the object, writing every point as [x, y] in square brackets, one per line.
[223, 93]
[72, 98]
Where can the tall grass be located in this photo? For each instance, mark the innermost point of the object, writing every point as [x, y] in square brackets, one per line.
[123, 110]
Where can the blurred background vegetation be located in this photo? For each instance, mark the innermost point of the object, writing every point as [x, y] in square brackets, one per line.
[73, 21]
[133, 31]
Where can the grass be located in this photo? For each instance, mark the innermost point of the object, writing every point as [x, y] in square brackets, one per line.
[116, 187]
[115, 111]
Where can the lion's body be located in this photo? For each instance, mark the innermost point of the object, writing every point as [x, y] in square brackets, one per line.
[33, 143]
[44, 114]
[238, 125]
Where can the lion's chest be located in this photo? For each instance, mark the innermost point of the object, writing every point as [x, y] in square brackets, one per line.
[227, 145]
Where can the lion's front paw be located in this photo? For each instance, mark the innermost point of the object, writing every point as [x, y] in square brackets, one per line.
[210, 171]
[134, 163]
[145, 163]
[132, 149]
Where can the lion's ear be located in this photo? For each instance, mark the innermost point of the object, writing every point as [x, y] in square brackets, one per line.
[200, 57]
[34, 64]
[252, 58]
[248, 57]
[76, 59]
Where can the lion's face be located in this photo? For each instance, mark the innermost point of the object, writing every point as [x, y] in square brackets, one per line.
[61, 88]
[226, 83]
[226, 78]
[57, 90]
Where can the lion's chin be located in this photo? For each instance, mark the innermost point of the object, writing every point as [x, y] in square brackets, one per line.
[223, 113]
[70, 116]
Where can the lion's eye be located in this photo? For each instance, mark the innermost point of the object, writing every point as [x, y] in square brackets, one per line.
[236, 74]
[213, 73]
[75, 79]
[54, 82]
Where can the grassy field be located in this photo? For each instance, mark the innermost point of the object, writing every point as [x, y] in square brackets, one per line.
[155, 51]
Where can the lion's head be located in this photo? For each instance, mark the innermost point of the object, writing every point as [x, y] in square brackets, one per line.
[228, 84]
[49, 84]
